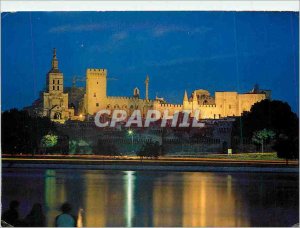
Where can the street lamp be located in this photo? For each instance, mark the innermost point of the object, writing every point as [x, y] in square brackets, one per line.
[130, 132]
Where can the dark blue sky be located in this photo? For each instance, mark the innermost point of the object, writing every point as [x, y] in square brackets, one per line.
[179, 50]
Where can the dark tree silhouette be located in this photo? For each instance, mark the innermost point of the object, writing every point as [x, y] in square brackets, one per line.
[22, 133]
[151, 149]
[105, 148]
[287, 147]
[276, 116]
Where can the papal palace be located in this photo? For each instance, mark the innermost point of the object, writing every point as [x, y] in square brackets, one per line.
[77, 103]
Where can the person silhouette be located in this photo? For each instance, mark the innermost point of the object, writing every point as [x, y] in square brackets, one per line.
[65, 219]
[11, 216]
[36, 217]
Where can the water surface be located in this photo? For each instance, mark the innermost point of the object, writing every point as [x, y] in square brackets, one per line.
[129, 198]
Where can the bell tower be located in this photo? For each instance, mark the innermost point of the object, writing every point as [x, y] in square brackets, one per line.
[55, 101]
[55, 79]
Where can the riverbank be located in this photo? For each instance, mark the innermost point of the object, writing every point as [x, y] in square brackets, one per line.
[135, 163]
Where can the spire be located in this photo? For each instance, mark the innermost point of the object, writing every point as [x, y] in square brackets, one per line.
[185, 98]
[54, 53]
[147, 85]
[54, 60]
[194, 96]
[147, 78]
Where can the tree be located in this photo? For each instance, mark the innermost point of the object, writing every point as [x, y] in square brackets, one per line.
[287, 147]
[49, 140]
[22, 133]
[260, 137]
[105, 148]
[150, 149]
[48, 143]
[276, 116]
[273, 115]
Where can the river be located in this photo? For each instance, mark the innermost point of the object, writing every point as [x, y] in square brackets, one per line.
[144, 198]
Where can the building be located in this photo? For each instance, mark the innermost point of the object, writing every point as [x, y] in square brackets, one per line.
[55, 101]
[88, 101]
[223, 104]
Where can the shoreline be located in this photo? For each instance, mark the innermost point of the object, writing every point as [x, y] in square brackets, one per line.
[161, 164]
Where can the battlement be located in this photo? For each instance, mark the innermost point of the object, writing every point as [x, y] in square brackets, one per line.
[119, 98]
[95, 73]
[92, 70]
[208, 106]
[171, 105]
[126, 98]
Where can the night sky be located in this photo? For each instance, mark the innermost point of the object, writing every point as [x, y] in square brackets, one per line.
[217, 51]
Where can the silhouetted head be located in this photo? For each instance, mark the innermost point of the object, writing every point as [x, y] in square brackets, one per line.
[66, 208]
[14, 204]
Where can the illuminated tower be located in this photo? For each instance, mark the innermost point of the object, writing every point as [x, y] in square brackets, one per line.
[147, 86]
[95, 97]
[55, 101]
[55, 78]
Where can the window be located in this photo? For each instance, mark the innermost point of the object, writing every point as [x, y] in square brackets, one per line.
[229, 106]
[53, 88]
[57, 87]
[97, 83]
[53, 81]
[94, 94]
[97, 104]
[57, 81]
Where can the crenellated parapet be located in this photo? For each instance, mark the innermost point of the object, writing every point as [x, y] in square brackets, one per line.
[207, 106]
[121, 98]
[171, 105]
[128, 98]
[94, 70]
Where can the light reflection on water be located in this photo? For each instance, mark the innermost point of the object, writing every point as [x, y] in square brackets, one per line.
[129, 198]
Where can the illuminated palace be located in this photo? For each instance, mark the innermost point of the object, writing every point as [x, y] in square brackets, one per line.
[61, 104]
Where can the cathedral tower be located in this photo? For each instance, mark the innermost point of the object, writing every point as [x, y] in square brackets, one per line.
[55, 79]
[55, 101]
